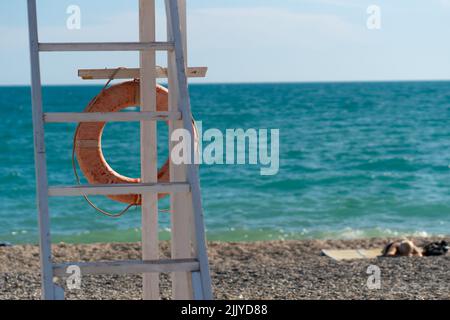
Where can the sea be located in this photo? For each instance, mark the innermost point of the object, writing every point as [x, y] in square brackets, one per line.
[356, 160]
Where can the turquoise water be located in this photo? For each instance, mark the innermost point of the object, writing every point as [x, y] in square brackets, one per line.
[356, 160]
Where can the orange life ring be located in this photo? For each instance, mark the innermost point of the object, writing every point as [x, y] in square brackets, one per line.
[89, 136]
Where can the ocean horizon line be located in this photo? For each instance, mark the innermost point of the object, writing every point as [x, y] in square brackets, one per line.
[247, 82]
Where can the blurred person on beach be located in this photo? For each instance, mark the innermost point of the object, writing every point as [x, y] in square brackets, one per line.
[402, 248]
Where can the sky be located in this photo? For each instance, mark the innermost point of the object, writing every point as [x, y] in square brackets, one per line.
[246, 40]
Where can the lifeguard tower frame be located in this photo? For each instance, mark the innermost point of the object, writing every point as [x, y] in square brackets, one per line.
[189, 262]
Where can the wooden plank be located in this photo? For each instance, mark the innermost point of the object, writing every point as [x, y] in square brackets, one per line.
[134, 73]
[129, 267]
[192, 169]
[47, 291]
[64, 117]
[117, 189]
[149, 159]
[105, 46]
[181, 204]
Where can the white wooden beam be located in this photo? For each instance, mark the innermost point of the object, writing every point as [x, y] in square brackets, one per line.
[118, 189]
[128, 267]
[192, 169]
[47, 287]
[181, 204]
[134, 73]
[149, 159]
[105, 46]
[64, 117]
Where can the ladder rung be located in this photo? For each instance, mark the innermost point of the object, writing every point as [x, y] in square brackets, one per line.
[118, 189]
[127, 267]
[62, 117]
[134, 73]
[105, 46]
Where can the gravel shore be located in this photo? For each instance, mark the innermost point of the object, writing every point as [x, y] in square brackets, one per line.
[257, 270]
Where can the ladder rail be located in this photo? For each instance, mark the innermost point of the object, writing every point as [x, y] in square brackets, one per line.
[180, 203]
[148, 144]
[192, 168]
[48, 291]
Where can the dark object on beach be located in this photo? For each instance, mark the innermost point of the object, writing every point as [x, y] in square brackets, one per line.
[5, 244]
[436, 248]
[403, 248]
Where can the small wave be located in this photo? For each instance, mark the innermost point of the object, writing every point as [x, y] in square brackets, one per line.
[395, 164]
[225, 235]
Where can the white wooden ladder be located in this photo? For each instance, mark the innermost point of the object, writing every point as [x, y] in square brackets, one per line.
[189, 261]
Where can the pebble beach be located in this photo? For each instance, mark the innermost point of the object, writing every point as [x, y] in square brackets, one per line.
[252, 270]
